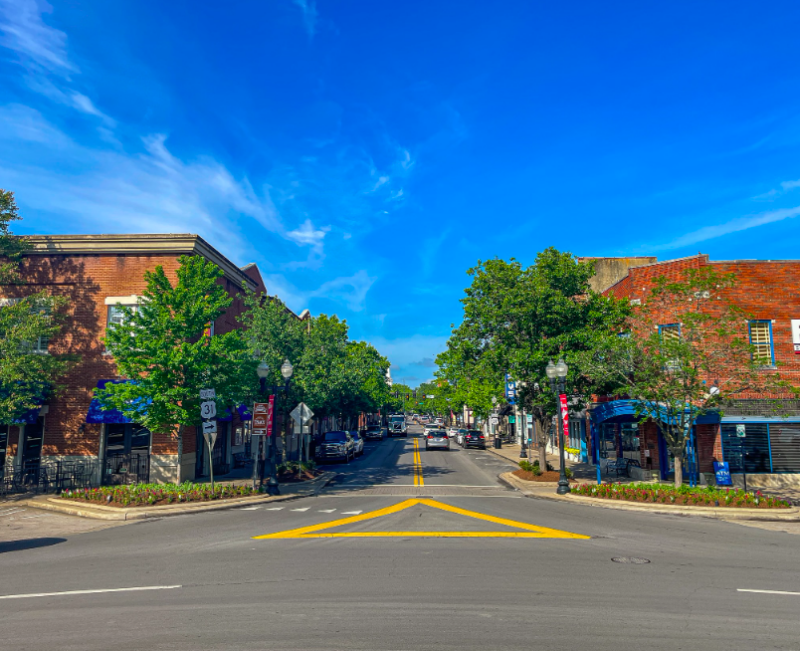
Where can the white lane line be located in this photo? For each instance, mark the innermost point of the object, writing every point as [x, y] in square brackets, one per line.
[250, 508]
[303, 509]
[326, 511]
[768, 591]
[351, 512]
[74, 592]
[276, 508]
[11, 512]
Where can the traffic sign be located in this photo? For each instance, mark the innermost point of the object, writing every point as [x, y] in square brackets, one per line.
[301, 414]
[494, 420]
[208, 409]
[209, 426]
[211, 439]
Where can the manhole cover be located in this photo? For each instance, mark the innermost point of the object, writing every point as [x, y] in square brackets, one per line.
[633, 560]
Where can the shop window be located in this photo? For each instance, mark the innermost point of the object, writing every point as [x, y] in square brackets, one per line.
[630, 441]
[761, 340]
[785, 443]
[748, 453]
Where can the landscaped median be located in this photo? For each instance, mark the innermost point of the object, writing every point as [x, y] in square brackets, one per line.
[141, 501]
[701, 501]
[683, 496]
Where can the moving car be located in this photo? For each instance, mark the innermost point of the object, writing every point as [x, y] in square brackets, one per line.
[358, 441]
[460, 436]
[428, 427]
[437, 438]
[439, 421]
[474, 438]
[452, 432]
[374, 433]
[338, 445]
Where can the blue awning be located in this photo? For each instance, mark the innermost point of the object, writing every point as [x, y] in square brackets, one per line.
[99, 414]
[244, 412]
[624, 411]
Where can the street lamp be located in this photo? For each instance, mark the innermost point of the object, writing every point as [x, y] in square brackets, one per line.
[263, 371]
[556, 374]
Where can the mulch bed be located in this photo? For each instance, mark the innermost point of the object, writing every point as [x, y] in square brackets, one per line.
[296, 478]
[548, 476]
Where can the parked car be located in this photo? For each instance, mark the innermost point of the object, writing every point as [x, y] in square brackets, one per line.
[358, 442]
[474, 438]
[437, 438]
[337, 445]
[452, 432]
[460, 436]
[374, 433]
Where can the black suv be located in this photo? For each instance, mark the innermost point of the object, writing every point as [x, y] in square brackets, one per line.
[474, 438]
[337, 445]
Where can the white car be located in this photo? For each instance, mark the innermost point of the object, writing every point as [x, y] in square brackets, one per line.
[359, 441]
[452, 432]
[460, 436]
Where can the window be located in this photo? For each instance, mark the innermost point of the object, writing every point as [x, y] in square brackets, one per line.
[43, 307]
[118, 313]
[670, 333]
[761, 340]
[750, 452]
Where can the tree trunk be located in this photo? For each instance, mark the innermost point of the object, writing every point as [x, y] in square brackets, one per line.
[542, 457]
[678, 471]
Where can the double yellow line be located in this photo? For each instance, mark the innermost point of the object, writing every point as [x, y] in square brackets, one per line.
[418, 481]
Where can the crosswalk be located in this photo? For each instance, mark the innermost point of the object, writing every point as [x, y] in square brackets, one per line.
[300, 510]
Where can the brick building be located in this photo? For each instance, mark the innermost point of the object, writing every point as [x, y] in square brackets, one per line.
[96, 273]
[769, 452]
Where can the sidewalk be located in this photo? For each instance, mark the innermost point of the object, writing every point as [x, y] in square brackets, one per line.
[582, 472]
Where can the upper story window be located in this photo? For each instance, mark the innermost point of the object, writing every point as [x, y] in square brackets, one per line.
[119, 308]
[761, 340]
[43, 307]
[670, 332]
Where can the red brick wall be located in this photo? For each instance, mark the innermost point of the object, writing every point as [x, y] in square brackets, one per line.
[86, 280]
[709, 446]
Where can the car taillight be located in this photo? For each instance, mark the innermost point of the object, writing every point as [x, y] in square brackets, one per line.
[430, 436]
[481, 436]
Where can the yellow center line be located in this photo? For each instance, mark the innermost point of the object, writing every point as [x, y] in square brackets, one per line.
[418, 481]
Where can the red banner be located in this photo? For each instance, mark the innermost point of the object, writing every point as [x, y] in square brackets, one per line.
[270, 415]
[562, 399]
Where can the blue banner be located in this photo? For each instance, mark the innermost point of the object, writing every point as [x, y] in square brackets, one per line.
[723, 473]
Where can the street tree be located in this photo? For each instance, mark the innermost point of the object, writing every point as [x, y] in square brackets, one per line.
[29, 366]
[695, 365]
[164, 346]
[517, 319]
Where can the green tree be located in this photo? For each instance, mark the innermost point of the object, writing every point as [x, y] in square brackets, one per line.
[517, 319]
[163, 346]
[29, 366]
[699, 363]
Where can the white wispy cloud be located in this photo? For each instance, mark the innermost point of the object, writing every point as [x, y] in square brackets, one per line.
[350, 290]
[23, 31]
[790, 185]
[310, 15]
[732, 226]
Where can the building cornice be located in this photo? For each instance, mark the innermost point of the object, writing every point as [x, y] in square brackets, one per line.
[137, 244]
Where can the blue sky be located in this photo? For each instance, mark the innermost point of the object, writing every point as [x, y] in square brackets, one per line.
[366, 154]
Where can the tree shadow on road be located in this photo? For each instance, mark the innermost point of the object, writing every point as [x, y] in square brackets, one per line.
[28, 543]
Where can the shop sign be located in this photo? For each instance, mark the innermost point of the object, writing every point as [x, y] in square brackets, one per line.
[723, 473]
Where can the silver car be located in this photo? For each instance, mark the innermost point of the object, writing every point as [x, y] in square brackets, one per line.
[359, 441]
[437, 438]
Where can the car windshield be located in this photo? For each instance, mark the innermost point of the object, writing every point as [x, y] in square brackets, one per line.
[339, 437]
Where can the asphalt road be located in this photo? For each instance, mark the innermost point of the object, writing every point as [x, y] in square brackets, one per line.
[458, 562]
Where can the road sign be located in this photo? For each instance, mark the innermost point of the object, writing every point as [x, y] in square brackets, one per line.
[301, 414]
[211, 439]
[260, 418]
[495, 420]
[208, 409]
[207, 394]
[430, 397]
[209, 426]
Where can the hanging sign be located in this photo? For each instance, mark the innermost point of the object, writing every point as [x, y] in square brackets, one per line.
[511, 390]
[796, 335]
[562, 399]
[270, 415]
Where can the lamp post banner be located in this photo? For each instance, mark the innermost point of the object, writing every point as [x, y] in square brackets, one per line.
[270, 414]
[562, 399]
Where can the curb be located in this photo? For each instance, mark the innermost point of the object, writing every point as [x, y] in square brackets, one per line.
[791, 514]
[101, 512]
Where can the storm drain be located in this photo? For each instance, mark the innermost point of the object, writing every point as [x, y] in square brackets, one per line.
[632, 560]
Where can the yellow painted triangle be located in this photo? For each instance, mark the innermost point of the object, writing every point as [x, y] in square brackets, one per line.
[528, 530]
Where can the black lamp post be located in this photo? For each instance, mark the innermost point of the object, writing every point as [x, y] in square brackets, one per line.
[272, 482]
[557, 373]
